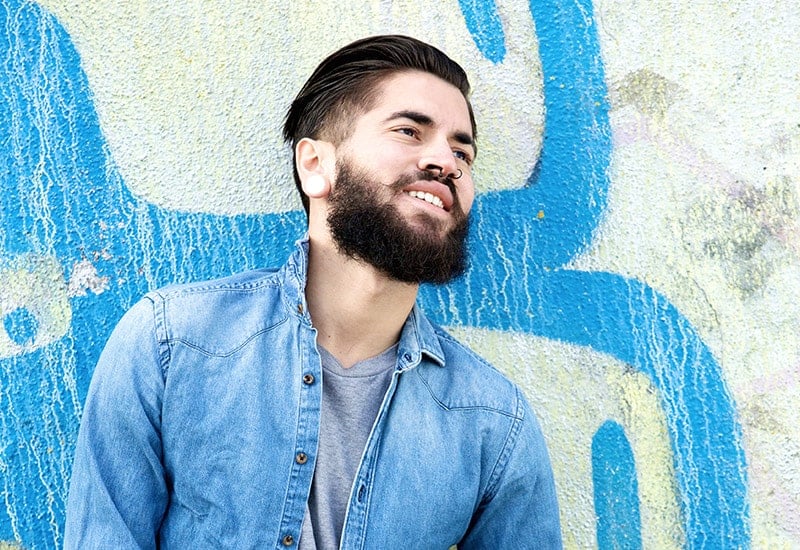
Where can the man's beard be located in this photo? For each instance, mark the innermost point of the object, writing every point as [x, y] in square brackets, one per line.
[366, 226]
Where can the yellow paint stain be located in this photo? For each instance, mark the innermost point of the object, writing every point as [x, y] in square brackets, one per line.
[648, 91]
[587, 387]
[540, 215]
[646, 428]
[34, 283]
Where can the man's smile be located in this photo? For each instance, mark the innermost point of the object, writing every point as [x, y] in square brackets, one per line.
[427, 197]
[431, 191]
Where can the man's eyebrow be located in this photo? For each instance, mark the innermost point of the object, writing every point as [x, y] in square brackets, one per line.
[464, 139]
[416, 116]
[420, 118]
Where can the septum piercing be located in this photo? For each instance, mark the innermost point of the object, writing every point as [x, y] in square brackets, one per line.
[450, 176]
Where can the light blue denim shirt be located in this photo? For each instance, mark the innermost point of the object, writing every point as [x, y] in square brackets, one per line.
[201, 427]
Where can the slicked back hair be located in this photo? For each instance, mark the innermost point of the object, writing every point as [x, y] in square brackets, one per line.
[345, 85]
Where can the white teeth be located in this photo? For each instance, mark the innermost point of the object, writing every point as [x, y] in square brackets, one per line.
[427, 197]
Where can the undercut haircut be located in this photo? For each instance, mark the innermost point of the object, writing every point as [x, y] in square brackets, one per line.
[346, 83]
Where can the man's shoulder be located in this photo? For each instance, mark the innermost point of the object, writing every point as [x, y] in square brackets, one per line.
[467, 380]
[215, 314]
[243, 282]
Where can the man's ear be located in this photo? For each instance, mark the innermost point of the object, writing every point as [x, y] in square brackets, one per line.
[315, 166]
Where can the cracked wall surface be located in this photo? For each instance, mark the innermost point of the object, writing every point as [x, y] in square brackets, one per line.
[635, 244]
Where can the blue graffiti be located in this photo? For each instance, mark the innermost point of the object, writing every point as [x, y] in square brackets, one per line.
[483, 23]
[64, 199]
[616, 489]
[21, 326]
[622, 317]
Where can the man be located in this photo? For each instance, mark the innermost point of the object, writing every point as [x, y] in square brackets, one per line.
[316, 406]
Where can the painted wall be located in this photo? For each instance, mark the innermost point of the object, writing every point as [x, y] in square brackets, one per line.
[636, 239]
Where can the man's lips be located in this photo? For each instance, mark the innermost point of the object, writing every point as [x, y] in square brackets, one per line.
[433, 192]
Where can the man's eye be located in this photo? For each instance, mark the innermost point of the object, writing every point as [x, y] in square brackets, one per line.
[461, 155]
[411, 132]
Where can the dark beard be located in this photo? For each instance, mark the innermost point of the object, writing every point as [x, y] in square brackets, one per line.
[366, 228]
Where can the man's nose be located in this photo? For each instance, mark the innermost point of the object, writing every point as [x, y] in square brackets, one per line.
[438, 158]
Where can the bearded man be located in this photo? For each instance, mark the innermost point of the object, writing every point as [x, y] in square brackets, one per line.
[315, 406]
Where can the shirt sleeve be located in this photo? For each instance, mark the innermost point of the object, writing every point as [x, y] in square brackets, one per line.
[520, 508]
[118, 493]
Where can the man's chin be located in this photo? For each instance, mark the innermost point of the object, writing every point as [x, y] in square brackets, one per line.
[435, 231]
[433, 222]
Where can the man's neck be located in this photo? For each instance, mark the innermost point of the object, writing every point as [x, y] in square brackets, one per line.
[358, 311]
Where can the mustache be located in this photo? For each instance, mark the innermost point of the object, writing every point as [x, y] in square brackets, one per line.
[423, 175]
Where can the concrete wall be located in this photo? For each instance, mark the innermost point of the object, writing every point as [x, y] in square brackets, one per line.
[636, 244]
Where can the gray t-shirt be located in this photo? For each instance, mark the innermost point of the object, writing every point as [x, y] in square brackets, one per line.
[350, 402]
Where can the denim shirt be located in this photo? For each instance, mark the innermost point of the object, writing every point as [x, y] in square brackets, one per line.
[201, 427]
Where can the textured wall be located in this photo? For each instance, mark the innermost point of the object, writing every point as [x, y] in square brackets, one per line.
[636, 240]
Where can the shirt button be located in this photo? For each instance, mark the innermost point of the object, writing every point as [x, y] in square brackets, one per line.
[308, 379]
[288, 540]
[301, 458]
[300, 309]
[407, 357]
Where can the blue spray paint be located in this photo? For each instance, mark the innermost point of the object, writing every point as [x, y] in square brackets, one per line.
[616, 490]
[609, 313]
[485, 26]
[64, 199]
[21, 325]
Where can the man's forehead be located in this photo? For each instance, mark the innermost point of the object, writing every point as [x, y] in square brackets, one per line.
[423, 98]
[422, 119]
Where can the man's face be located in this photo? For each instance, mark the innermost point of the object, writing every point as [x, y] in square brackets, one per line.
[387, 207]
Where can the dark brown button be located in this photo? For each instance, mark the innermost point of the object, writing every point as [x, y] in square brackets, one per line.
[288, 540]
[300, 309]
[308, 378]
[301, 458]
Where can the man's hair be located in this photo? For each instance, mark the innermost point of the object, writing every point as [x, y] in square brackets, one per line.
[345, 84]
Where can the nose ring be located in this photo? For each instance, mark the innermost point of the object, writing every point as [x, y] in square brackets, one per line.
[451, 175]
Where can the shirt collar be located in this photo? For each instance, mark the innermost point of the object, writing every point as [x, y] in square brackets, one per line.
[418, 336]
[293, 277]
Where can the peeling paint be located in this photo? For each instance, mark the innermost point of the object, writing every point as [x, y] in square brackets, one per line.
[85, 277]
[745, 231]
